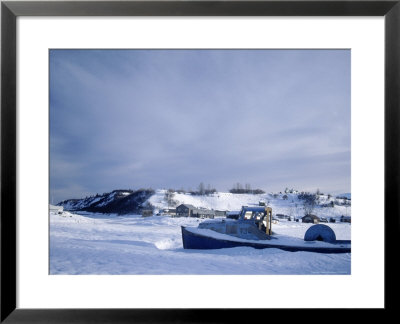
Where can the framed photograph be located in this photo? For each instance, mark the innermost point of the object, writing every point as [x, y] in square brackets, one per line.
[173, 161]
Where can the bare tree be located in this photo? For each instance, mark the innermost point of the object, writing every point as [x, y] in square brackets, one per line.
[169, 198]
[309, 204]
[201, 188]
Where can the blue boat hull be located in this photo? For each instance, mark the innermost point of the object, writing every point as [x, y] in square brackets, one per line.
[196, 241]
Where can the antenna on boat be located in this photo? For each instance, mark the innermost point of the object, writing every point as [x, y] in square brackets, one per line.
[268, 216]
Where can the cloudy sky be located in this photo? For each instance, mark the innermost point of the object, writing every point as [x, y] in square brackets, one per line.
[124, 119]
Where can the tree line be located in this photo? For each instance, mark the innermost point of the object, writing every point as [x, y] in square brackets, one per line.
[238, 188]
[203, 190]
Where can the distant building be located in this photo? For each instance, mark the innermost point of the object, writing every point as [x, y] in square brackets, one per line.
[203, 213]
[147, 212]
[310, 219]
[169, 211]
[220, 212]
[345, 219]
[185, 210]
[292, 191]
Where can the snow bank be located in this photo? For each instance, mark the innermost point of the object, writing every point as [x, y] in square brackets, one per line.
[133, 245]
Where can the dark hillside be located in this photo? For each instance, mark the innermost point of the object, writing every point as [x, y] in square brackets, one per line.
[115, 202]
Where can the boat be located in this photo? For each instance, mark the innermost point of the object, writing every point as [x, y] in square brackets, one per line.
[253, 229]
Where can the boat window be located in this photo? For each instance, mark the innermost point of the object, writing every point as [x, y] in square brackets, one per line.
[248, 215]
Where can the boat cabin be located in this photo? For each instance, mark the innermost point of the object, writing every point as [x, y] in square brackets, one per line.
[254, 223]
[261, 216]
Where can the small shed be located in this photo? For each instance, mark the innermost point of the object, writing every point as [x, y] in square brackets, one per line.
[147, 212]
[310, 219]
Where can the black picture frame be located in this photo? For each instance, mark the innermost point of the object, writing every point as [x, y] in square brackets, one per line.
[10, 10]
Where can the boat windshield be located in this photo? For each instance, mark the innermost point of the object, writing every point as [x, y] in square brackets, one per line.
[251, 214]
[248, 215]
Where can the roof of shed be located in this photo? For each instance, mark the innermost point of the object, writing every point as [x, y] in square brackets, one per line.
[187, 206]
[312, 216]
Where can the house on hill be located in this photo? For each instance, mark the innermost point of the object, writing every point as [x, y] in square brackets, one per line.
[185, 210]
[310, 219]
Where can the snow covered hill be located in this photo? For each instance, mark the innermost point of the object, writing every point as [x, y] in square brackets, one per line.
[117, 201]
[133, 202]
[287, 204]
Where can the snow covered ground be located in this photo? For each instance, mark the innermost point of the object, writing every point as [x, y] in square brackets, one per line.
[133, 245]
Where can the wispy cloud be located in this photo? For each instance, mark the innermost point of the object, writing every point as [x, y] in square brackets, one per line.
[174, 118]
